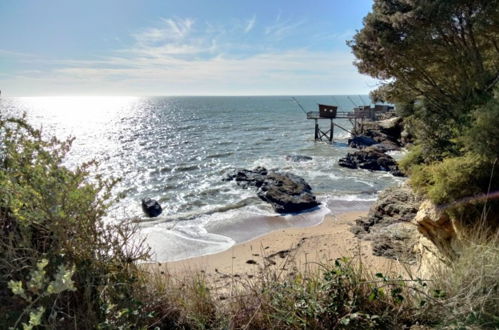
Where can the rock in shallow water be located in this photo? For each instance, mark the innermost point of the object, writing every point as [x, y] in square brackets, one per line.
[151, 207]
[298, 158]
[361, 142]
[286, 192]
[370, 159]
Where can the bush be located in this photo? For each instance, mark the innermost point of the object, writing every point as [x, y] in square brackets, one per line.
[459, 184]
[61, 265]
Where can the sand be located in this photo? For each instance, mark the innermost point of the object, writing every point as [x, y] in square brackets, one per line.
[287, 250]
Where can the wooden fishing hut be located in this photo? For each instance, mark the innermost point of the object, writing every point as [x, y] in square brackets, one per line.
[356, 118]
[327, 112]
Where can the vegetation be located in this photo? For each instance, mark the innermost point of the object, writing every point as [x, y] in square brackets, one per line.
[60, 263]
[439, 61]
[62, 266]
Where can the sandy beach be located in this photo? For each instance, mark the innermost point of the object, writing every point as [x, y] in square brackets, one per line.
[285, 250]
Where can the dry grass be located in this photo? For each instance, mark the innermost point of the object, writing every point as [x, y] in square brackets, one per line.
[468, 288]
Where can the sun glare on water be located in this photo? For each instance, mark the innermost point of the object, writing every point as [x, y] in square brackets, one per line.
[75, 114]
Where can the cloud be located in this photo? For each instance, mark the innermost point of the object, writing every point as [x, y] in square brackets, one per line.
[171, 29]
[179, 56]
[250, 25]
[282, 28]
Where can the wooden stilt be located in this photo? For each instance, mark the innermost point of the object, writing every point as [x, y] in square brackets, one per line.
[317, 137]
[331, 131]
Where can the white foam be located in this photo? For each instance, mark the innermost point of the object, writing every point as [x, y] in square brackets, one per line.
[183, 243]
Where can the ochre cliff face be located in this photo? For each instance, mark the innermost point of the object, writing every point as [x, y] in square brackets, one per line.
[439, 236]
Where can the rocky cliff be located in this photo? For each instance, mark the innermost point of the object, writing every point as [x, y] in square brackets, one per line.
[405, 227]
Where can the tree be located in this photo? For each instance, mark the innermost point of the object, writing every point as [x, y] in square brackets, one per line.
[438, 59]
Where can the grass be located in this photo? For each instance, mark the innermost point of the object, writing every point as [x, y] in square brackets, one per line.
[337, 295]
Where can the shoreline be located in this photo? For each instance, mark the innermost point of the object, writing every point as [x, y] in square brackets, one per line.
[287, 250]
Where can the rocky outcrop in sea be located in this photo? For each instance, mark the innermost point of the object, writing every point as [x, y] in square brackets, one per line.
[376, 139]
[371, 159]
[286, 192]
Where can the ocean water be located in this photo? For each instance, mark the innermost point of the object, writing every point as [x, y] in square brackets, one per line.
[178, 149]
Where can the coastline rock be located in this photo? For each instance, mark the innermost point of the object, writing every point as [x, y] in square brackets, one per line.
[389, 224]
[441, 238]
[151, 207]
[387, 132]
[286, 192]
[248, 178]
[298, 158]
[370, 159]
[361, 141]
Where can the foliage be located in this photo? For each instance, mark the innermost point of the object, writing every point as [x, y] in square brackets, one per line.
[459, 184]
[438, 59]
[60, 263]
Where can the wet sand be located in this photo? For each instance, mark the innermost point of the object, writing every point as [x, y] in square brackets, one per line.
[287, 251]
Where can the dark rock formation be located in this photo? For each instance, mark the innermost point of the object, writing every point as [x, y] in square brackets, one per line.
[371, 159]
[151, 207]
[249, 178]
[361, 141]
[387, 132]
[388, 224]
[286, 192]
[298, 158]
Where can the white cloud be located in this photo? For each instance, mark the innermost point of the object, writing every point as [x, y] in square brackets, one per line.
[171, 29]
[282, 28]
[177, 57]
[250, 24]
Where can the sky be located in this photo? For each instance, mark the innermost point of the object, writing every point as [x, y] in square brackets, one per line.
[180, 47]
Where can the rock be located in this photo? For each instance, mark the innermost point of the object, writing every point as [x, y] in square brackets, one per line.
[151, 207]
[387, 132]
[391, 127]
[248, 178]
[298, 158]
[394, 204]
[395, 241]
[436, 226]
[388, 224]
[372, 160]
[361, 142]
[286, 192]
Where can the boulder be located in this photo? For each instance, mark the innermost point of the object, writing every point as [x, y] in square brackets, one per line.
[286, 192]
[370, 159]
[361, 142]
[248, 178]
[389, 224]
[387, 132]
[394, 204]
[298, 158]
[151, 207]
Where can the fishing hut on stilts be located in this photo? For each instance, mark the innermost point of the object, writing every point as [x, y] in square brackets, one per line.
[326, 112]
[357, 118]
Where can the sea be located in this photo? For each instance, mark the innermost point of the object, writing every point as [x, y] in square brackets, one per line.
[178, 150]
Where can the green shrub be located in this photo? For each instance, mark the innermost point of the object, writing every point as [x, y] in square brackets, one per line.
[482, 137]
[460, 185]
[61, 265]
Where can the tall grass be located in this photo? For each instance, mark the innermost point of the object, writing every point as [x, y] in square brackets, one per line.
[468, 287]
